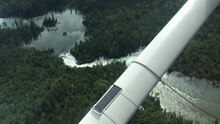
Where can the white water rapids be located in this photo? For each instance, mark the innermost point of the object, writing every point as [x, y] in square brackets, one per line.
[196, 90]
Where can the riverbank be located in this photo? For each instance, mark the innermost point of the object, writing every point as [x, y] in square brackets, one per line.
[117, 24]
[127, 31]
[30, 8]
[69, 21]
[36, 87]
[201, 58]
[46, 91]
[198, 91]
[125, 26]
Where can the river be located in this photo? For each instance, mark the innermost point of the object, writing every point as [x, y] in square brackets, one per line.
[196, 90]
[69, 21]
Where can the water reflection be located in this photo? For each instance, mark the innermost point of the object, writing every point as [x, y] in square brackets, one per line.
[61, 37]
[68, 22]
[12, 23]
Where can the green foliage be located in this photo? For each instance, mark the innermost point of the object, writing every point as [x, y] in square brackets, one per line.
[201, 58]
[29, 8]
[36, 87]
[116, 28]
[23, 34]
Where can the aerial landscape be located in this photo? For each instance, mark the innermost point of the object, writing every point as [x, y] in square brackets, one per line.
[58, 57]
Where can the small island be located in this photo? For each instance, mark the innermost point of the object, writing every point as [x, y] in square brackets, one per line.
[36, 87]
[50, 22]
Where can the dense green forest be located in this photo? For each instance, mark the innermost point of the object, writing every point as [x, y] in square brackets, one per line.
[24, 32]
[36, 87]
[29, 8]
[117, 30]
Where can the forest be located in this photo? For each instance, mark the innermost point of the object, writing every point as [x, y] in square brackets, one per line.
[29, 8]
[118, 30]
[36, 87]
[201, 58]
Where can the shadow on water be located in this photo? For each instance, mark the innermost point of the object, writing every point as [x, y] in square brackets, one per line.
[62, 29]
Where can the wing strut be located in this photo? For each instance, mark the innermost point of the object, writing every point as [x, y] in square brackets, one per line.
[127, 94]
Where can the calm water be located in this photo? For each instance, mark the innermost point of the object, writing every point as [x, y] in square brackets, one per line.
[196, 90]
[69, 21]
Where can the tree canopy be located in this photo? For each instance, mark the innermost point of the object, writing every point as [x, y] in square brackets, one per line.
[36, 87]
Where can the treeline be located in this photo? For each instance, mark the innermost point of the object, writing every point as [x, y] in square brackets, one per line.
[22, 34]
[29, 8]
[50, 21]
[37, 88]
[154, 113]
[116, 28]
[201, 58]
